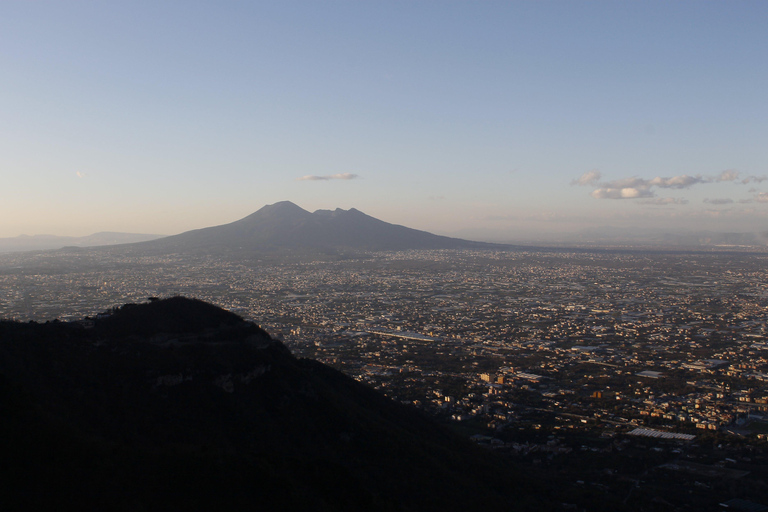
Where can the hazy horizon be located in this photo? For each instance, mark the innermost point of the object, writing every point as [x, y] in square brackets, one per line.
[602, 236]
[498, 121]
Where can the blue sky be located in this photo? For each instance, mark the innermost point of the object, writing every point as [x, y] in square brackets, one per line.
[494, 120]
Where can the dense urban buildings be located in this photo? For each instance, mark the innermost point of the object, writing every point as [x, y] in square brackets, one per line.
[541, 355]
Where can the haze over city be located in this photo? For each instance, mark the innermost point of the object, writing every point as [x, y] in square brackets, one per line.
[500, 121]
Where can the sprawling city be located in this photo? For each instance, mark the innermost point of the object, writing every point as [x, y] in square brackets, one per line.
[384, 256]
[618, 367]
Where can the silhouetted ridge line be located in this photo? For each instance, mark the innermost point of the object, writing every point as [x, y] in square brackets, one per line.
[115, 415]
[173, 315]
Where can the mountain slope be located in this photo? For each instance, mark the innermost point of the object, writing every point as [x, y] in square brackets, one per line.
[284, 226]
[177, 404]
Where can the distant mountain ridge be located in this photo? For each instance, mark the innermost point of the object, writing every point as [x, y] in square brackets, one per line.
[285, 226]
[48, 242]
[660, 237]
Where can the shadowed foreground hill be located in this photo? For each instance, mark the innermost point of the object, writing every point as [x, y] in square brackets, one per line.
[177, 404]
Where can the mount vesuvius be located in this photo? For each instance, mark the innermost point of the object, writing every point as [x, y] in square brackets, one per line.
[285, 227]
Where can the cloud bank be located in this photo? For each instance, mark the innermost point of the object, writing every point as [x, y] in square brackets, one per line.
[635, 188]
[342, 176]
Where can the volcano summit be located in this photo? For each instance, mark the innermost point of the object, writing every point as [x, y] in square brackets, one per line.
[286, 227]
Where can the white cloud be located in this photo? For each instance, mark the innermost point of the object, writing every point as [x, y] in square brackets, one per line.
[683, 181]
[588, 178]
[761, 197]
[728, 175]
[620, 193]
[634, 187]
[633, 182]
[341, 176]
[718, 201]
[81, 175]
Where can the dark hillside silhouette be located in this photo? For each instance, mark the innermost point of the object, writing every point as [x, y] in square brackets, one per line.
[174, 315]
[177, 404]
